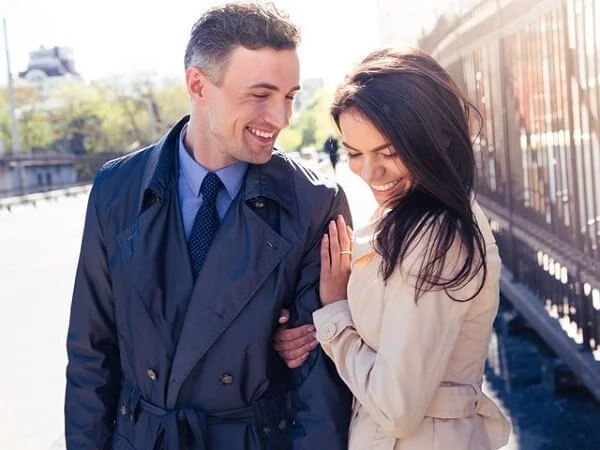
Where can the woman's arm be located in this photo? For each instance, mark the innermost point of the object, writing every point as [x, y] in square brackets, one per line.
[397, 382]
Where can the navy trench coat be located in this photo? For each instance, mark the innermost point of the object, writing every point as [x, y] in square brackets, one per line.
[208, 378]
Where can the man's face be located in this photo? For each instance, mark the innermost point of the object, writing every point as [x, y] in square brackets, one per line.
[245, 114]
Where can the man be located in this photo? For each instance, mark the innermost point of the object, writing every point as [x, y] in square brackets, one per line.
[191, 248]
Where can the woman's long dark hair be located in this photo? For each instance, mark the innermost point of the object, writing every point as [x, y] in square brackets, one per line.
[417, 107]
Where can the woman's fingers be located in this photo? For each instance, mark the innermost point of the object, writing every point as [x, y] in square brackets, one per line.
[291, 334]
[325, 256]
[295, 363]
[290, 355]
[345, 241]
[334, 246]
[351, 235]
[295, 344]
[284, 316]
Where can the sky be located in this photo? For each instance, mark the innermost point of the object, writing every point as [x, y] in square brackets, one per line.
[131, 37]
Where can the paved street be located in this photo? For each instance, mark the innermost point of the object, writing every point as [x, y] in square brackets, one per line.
[38, 251]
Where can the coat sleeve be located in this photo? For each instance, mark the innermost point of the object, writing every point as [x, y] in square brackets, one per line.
[321, 403]
[93, 370]
[396, 383]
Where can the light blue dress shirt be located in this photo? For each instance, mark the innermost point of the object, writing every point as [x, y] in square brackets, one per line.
[190, 179]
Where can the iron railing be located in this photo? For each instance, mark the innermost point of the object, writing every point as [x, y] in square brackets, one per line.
[532, 68]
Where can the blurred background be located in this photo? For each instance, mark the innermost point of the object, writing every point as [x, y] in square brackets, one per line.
[83, 82]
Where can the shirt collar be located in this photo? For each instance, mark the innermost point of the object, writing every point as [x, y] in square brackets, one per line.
[231, 176]
[275, 180]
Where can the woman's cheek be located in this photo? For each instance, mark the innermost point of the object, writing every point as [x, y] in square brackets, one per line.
[355, 165]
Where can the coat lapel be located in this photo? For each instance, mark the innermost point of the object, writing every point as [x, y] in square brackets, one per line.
[244, 253]
[157, 262]
[153, 248]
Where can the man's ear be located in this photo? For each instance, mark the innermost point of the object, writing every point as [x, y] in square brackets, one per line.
[195, 81]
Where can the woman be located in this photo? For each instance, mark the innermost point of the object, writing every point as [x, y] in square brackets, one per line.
[407, 312]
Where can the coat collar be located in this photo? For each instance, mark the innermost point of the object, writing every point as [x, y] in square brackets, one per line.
[273, 180]
[363, 241]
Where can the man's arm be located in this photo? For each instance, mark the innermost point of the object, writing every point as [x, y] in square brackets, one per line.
[93, 371]
[321, 403]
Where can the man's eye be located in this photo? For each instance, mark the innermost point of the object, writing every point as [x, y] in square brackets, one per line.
[290, 97]
[260, 95]
[353, 155]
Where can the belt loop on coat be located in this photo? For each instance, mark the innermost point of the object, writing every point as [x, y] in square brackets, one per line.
[479, 393]
[133, 401]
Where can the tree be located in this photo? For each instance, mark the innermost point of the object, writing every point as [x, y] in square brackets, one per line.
[35, 129]
[289, 140]
[310, 126]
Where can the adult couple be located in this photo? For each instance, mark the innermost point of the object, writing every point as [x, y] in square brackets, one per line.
[194, 246]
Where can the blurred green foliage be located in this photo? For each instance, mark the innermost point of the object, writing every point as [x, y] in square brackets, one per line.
[310, 126]
[94, 117]
[119, 116]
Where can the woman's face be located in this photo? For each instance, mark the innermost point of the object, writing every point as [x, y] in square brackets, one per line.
[371, 157]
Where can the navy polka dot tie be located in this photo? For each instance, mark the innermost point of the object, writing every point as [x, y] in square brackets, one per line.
[206, 222]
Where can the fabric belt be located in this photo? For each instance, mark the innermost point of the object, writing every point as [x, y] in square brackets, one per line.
[196, 420]
[461, 401]
[453, 401]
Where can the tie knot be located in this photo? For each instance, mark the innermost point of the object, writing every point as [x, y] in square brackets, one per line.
[210, 187]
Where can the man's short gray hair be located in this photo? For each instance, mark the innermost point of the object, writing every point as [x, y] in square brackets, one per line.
[251, 25]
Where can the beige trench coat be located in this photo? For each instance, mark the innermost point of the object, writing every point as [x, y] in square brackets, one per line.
[415, 369]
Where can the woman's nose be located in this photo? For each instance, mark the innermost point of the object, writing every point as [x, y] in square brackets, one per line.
[371, 171]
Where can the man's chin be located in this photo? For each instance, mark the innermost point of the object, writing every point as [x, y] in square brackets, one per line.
[259, 155]
[263, 159]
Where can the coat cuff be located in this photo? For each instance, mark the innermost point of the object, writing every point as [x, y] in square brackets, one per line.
[331, 320]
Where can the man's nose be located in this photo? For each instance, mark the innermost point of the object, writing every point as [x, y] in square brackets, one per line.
[279, 115]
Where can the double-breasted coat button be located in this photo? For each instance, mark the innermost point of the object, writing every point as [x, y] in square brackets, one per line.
[282, 424]
[124, 410]
[259, 203]
[152, 374]
[226, 379]
[266, 429]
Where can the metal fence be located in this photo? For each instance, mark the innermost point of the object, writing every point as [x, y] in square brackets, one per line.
[532, 68]
[42, 172]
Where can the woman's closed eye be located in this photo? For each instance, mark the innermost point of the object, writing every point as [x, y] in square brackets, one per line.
[351, 153]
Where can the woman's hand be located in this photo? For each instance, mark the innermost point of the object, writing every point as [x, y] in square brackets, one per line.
[336, 258]
[294, 344]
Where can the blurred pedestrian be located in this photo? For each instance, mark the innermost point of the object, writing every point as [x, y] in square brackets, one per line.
[332, 149]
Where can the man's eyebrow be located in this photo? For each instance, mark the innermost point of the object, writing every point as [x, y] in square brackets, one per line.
[271, 87]
[376, 149]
